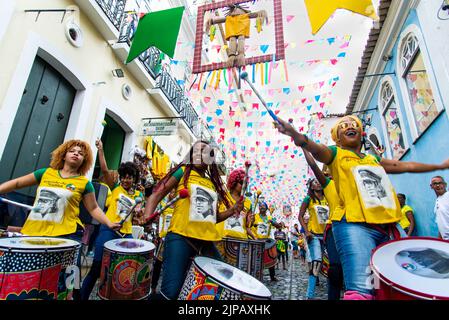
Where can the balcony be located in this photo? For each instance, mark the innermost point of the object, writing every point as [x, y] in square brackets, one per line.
[106, 15]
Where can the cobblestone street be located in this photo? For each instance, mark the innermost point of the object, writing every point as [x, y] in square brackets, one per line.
[292, 283]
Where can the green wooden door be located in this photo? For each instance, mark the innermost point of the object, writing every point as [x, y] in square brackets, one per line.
[40, 123]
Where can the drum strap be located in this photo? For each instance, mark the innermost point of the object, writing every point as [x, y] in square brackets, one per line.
[326, 230]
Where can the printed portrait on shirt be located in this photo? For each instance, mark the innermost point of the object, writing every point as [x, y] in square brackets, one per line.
[203, 206]
[262, 229]
[50, 204]
[234, 223]
[322, 213]
[124, 205]
[374, 187]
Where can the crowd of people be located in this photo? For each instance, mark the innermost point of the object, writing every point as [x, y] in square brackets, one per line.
[350, 209]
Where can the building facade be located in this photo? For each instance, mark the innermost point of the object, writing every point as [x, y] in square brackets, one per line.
[399, 92]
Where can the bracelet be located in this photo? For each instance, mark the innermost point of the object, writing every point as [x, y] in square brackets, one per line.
[302, 145]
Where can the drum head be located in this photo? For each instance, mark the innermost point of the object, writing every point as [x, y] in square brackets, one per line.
[232, 277]
[37, 243]
[129, 245]
[418, 266]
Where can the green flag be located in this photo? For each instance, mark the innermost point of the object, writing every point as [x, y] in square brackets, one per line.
[159, 29]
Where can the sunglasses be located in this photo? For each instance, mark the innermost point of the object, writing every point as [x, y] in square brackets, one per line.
[346, 125]
[437, 183]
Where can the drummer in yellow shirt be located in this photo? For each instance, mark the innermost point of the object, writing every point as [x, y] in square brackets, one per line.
[61, 188]
[120, 203]
[237, 227]
[407, 220]
[371, 207]
[192, 228]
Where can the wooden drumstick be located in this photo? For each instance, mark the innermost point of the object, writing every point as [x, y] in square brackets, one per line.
[245, 179]
[183, 193]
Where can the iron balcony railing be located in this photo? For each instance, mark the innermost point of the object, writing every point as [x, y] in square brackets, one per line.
[114, 10]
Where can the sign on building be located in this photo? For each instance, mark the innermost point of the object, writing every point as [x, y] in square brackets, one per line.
[159, 127]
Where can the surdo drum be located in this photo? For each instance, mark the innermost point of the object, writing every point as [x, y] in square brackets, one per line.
[126, 269]
[210, 279]
[270, 254]
[411, 268]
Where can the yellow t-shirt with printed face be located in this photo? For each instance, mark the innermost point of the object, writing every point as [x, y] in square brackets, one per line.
[262, 226]
[57, 205]
[336, 207]
[405, 223]
[364, 188]
[319, 214]
[120, 204]
[196, 216]
[164, 220]
[235, 227]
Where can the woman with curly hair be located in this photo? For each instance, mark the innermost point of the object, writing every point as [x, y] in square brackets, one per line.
[121, 201]
[237, 226]
[191, 232]
[61, 188]
[371, 208]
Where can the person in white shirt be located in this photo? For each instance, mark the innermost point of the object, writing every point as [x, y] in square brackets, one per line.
[441, 206]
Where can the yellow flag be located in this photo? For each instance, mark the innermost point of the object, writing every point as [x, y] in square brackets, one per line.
[320, 11]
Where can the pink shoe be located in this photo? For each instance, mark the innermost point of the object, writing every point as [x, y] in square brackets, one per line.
[355, 295]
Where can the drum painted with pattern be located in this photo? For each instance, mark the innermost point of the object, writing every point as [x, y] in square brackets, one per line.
[245, 255]
[270, 253]
[210, 279]
[325, 264]
[411, 268]
[30, 267]
[126, 269]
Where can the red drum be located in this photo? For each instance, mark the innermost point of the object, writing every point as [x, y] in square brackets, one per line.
[245, 255]
[411, 268]
[30, 267]
[270, 254]
[210, 279]
[126, 269]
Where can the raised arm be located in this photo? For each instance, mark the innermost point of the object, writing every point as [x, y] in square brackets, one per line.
[396, 166]
[316, 170]
[157, 196]
[108, 177]
[319, 151]
[18, 183]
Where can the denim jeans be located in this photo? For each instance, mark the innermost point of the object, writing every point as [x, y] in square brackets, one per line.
[335, 273]
[355, 243]
[178, 255]
[105, 234]
[316, 251]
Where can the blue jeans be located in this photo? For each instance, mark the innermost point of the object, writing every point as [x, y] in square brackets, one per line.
[316, 252]
[105, 234]
[335, 273]
[178, 255]
[355, 243]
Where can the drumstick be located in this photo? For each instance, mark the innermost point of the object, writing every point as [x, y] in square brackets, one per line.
[18, 204]
[244, 76]
[245, 179]
[183, 193]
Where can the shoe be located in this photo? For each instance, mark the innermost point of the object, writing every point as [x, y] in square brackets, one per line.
[274, 279]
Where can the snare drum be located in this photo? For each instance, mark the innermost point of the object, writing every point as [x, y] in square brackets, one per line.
[126, 269]
[270, 253]
[210, 279]
[30, 267]
[411, 268]
[243, 254]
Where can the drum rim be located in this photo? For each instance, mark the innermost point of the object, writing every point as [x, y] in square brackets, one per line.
[227, 286]
[395, 285]
[141, 249]
[75, 245]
